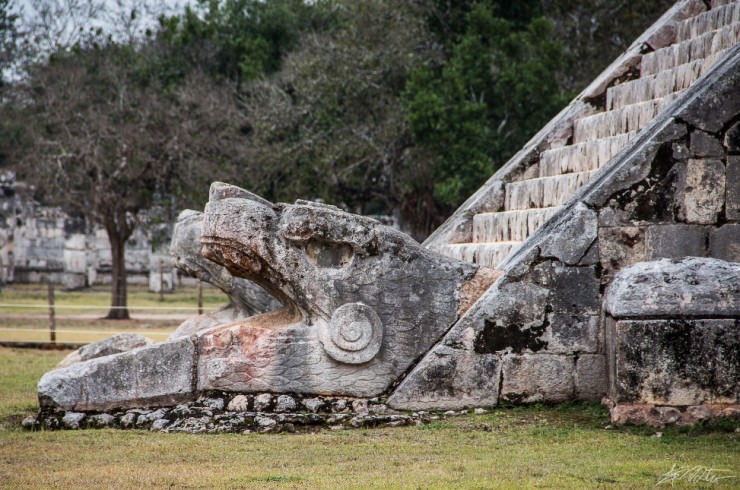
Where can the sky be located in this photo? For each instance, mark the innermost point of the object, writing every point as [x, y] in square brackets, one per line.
[65, 18]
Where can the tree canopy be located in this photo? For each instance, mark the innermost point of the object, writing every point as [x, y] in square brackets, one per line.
[379, 106]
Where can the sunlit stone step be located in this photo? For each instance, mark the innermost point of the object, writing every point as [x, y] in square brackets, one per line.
[655, 86]
[582, 157]
[544, 192]
[624, 120]
[508, 226]
[700, 47]
[488, 254]
[710, 20]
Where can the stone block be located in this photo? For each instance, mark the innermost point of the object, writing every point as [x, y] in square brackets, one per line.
[620, 247]
[575, 290]
[530, 378]
[732, 138]
[676, 362]
[705, 145]
[156, 375]
[450, 379]
[591, 377]
[724, 242]
[570, 239]
[701, 193]
[671, 288]
[718, 102]
[675, 241]
[572, 333]
[732, 201]
[512, 320]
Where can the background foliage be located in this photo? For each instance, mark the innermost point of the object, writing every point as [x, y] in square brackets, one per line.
[378, 106]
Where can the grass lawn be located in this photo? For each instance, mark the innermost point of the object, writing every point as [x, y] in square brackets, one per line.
[532, 447]
[79, 314]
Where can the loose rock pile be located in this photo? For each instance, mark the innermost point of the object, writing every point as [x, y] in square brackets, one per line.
[220, 412]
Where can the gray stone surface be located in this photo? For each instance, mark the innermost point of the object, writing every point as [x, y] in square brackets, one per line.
[701, 194]
[570, 238]
[73, 420]
[732, 204]
[240, 403]
[122, 342]
[705, 145]
[245, 297]
[101, 420]
[530, 378]
[262, 402]
[732, 138]
[450, 379]
[160, 374]
[313, 404]
[620, 247]
[677, 362]
[570, 333]
[724, 242]
[676, 241]
[285, 403]
[715, 102]
[675, 288]
[591, 377]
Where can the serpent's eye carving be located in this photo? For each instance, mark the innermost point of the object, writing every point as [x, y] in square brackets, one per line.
[354, 334]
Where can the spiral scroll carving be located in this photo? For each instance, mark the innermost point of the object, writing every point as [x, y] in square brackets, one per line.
[353, 335]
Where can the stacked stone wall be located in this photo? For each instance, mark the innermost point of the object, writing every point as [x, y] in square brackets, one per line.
[539, 333]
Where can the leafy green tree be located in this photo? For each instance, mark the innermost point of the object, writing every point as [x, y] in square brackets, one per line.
[496, 89]
[104, 139]
[330, 124]
[241, 39]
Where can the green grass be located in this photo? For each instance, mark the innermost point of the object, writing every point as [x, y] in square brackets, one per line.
[81, 325]
[517, 447]
[99, 297]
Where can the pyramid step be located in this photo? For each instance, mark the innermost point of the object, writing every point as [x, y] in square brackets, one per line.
[488, 254]
[710, 20]
[582, 157]
[508, 226]
[655, 86]
[699, 47]
[544, 192]
[619, 121]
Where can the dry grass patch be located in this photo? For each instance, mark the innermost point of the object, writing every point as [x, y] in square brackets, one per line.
[532, 447]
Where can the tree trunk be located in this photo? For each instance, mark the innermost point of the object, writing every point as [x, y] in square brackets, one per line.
[118, 310]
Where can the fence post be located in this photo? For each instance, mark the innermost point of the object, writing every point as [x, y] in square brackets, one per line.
[200, 297]
[161, 280]
[52, 325]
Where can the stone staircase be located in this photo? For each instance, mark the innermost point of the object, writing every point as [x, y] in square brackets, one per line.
[534, 195]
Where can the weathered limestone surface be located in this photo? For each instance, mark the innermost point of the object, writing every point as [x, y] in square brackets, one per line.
[122, 342]
[724, 242]
[677, 362]
[532, 378]
[674, 340]
[666, 195]
[687, 287]
[159, 374]
[245, 297]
